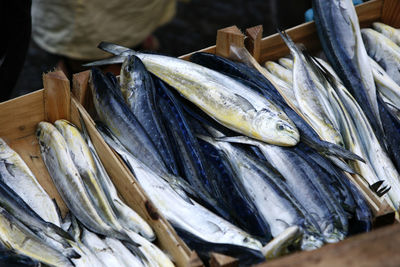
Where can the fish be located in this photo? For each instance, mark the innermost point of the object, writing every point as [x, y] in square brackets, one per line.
[97, 246]
[20, 238]
[286, 62]
[339, 33]
[16, 174]
[305, 183]
[274, 200]
[113, 111]
[385, 85]
[390, 32]
[385, 52]
[55, 151]
[263, 85]
[127, 216]
[84, 162]
[193, 164]
[49, 233]
[307, 96]
[191, 217]
[123, 254]
[279, 71]
[379, 167]
[137, 88]
[69, 183]
[227, 101]
[88, 258]
[88, 169]
[9, 257]
[237, 202]
[279, 245]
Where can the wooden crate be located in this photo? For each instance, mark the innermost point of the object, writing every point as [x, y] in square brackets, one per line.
[355, 250]
[18, 120]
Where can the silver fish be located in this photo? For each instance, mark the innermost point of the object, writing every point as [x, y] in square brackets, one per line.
[383, 51]
[20, 238]
[224, 99]
[390, 32]
[17, 175]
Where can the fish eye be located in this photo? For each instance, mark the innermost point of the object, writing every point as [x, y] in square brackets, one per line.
[280, 127]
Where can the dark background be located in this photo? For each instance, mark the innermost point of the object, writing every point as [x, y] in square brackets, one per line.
[194, 27]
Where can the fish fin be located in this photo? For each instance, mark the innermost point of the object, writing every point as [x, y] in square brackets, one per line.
[246, 103]
[113, 48]
[238, 139]
[112, 60]
[341, 164]
[9, 168]
[288, 41]
[57, 210]
[134, 249]
[336, 150]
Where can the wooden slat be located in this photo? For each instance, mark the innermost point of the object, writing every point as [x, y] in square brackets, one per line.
[273, 47]
[210, 49]
[220, 260]
[391, 13]
[253, 42]
[77, 80]
[56, 96]
[227, 37]
[19, 116]
[194, 260]
[377, 248]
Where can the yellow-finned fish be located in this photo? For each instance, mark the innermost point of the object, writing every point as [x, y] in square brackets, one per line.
[98, 184]
[229, 102]
[307, 97]
[385, 52]
[16, 174]
[390, 32]
[20, 238]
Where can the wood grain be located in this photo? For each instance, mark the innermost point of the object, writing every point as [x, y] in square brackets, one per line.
[253, 40]
[77, 80]
[56, 96]
[210, 49]
[391, 13]
[227, 37]
[19, 116]
[220, 260]
[377, 248]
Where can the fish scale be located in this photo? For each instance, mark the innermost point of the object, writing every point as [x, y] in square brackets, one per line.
[258, 82]
[339, 32]
[245, 111]
[193, 164]
[137, 87]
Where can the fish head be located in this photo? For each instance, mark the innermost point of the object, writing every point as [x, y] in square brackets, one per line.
[43, 134]
[275, 128]
[132, 71]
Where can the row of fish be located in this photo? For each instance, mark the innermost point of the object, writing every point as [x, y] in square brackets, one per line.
[234, 154]
[100, 230]
[176, 125]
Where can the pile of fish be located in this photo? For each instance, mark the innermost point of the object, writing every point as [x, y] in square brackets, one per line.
[234, 154]
[99, 230]
[244, 160]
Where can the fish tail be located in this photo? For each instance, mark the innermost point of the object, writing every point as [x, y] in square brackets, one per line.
[113, 48]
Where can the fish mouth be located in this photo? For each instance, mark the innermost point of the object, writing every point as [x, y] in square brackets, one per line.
[310, 242]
